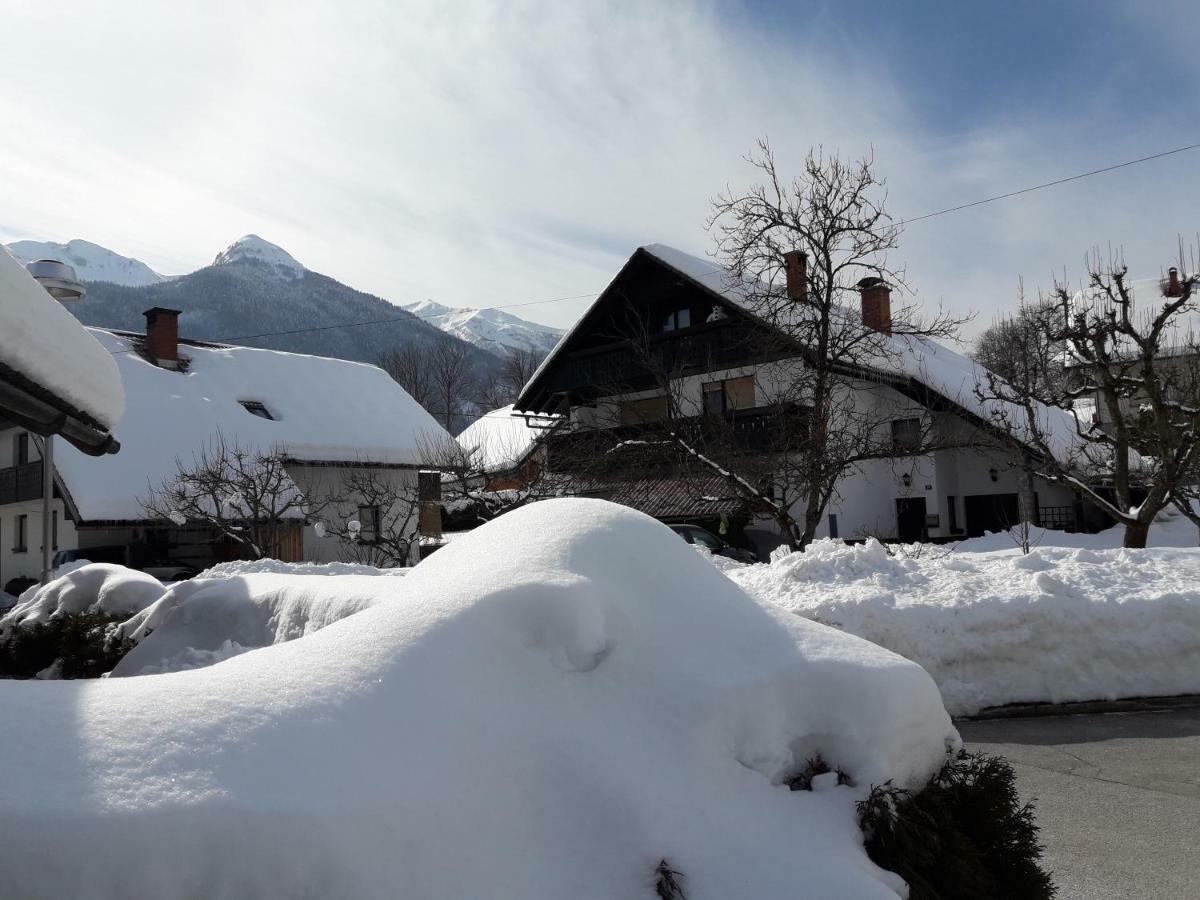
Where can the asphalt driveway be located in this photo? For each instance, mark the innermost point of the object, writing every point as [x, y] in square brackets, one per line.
[1117, 796]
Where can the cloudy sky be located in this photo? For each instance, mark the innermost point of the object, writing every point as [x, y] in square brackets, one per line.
[501, 152]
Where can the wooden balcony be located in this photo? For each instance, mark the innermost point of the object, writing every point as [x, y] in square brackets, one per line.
[21, 483]
[759, 430]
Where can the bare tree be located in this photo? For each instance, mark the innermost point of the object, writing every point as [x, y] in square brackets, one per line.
[375, 517]
[829, 232]
[1137, 365]
[442, 377]
[502, 388]
[245, 495]
[1019, 348]
[409, 368]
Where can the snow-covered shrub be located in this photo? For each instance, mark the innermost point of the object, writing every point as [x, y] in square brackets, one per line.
[71, 645]
[964, 836]
[103, 588]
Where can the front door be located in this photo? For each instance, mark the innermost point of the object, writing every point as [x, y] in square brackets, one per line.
[910, 519]
[991, 512]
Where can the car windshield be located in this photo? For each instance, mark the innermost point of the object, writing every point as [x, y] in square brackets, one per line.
[704, 539]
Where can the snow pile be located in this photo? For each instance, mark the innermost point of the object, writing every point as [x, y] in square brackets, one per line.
[96, 587]
[201, 622]
[521, 718]
[1057, 625]
[1169, 529]
[44, 343]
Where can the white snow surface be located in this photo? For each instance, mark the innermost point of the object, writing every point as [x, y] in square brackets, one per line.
[1059, 624]
[95, 587]
[252, 247]
[501, 439]
[202, 621]
[516, 718]
[492, 329]
[324, 409]
[46, 344]
[276, 567]
[90, 261]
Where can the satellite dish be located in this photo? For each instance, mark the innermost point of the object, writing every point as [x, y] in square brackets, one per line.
[58, 279]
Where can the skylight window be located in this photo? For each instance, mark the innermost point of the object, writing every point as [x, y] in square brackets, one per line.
[256, 408]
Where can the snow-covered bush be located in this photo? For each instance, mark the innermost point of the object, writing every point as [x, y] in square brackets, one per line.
[111, 590]
[548, 707]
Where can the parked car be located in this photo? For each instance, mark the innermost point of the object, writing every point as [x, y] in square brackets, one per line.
[169, 570]
[702, 537]
[111, 554]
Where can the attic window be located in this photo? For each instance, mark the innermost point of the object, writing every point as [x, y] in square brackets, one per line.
[255, 408]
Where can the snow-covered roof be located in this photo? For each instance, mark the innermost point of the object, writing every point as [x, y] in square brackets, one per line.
[502, 438]
[326, 410]
[42, 342]
[949, 373]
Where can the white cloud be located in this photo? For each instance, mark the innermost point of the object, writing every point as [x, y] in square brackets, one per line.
[499, 152]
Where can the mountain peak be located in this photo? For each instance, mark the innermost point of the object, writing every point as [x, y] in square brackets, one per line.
[255, 249]
[90, 261]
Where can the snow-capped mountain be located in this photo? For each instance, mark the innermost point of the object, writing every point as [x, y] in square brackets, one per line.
[91, 261]
[254, 249]
[492, 329]
[256, 293]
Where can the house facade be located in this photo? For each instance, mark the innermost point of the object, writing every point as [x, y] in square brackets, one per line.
[327, 419]
[671, 340]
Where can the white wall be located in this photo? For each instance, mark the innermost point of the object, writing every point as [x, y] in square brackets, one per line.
[29, 563]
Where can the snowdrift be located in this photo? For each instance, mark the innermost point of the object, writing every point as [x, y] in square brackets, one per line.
[544, 709]
[1058, 625]
[203, 621]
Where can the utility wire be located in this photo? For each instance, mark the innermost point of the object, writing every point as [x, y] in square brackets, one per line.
[932, 215]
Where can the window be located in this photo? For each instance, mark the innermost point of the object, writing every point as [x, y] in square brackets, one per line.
[952, 517]
[906, 435]
[255, 408]
[19, 528]
[21, 448]
[368, 518]
[732, 393]
[54, 529]
[833, 530]
[639, 412]
[676, 319]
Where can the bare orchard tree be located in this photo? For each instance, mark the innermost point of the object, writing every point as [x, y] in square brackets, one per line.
[374, 515]
[245, 495]
[826, 232]
[1135, 363]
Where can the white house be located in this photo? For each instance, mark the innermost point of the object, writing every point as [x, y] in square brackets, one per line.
[692, 311]
[326, 417]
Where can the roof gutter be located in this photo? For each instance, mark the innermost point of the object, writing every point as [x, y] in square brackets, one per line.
[35, 408]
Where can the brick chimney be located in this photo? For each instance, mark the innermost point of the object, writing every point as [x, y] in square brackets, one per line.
[795, 264]
[162, 336]
[876, 304]
[1173, 288]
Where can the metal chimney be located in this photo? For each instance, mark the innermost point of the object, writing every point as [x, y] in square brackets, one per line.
[58, 279]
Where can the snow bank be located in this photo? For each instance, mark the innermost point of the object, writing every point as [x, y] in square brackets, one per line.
[522, 718]
[203, 621]
[1169, 529]
[46, 344]
[1057, 625]
[95, 587]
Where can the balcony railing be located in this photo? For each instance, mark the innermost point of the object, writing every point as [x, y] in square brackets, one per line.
[21, 483]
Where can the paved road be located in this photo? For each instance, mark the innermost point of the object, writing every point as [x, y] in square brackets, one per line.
[1117, 796]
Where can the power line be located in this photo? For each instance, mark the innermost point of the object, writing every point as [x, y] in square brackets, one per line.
[716, 269]
[1038, 187]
